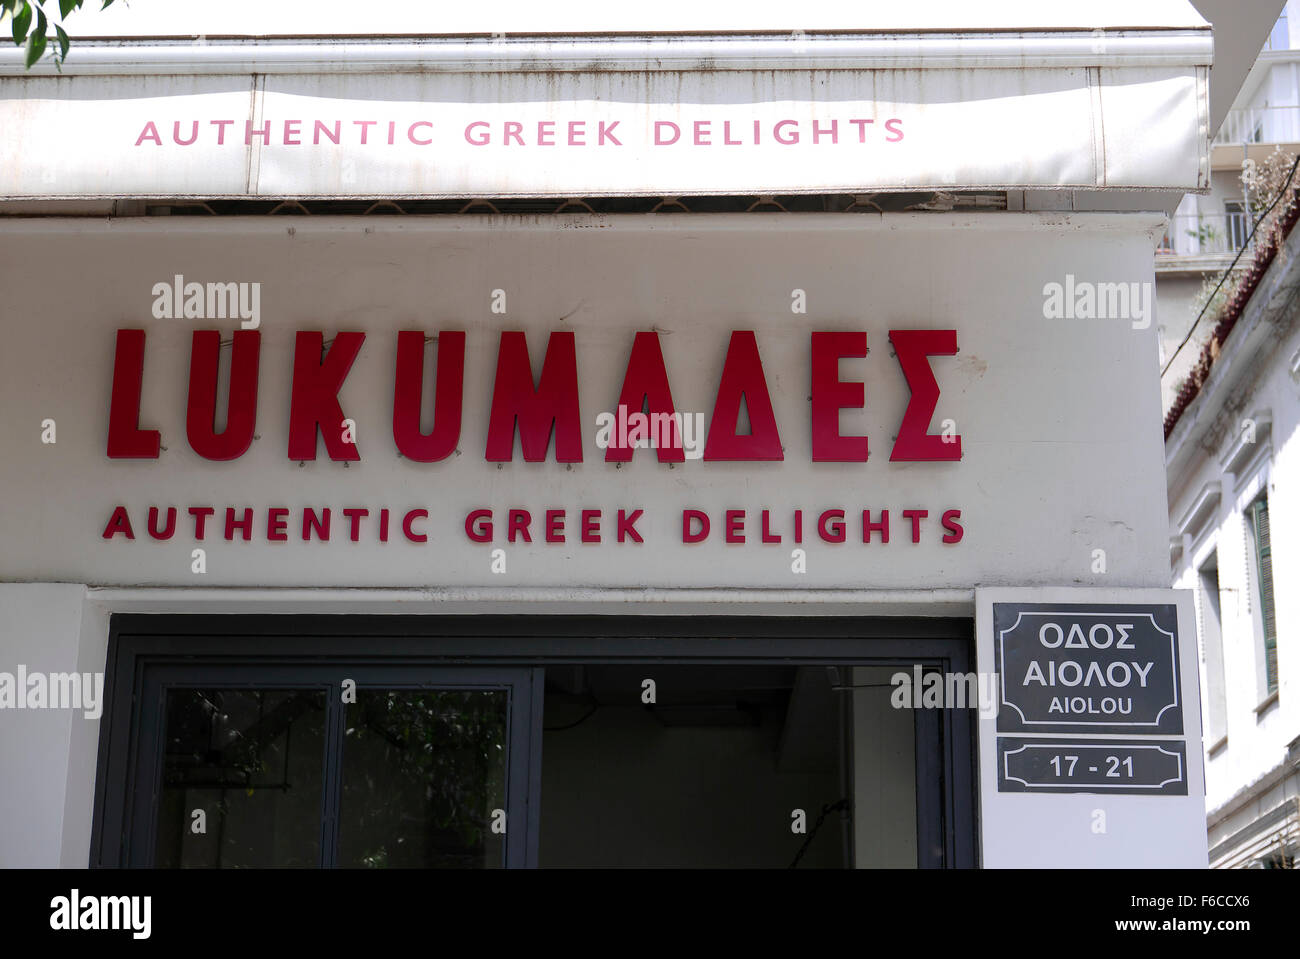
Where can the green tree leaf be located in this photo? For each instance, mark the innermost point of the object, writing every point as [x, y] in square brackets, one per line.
[63, 40]
[36, 39]
[22, 20]
[67, 6]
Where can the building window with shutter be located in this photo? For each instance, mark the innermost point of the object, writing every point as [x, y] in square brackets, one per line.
[1257, 515]
[1211, 623]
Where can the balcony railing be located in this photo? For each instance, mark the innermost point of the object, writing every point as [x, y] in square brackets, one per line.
[1205, 234]
[1260, 125]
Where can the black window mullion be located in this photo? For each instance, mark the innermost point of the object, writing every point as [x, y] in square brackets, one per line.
[532, 785]
[523, 780]
[335, 718]
[931, 839]
[148, 783]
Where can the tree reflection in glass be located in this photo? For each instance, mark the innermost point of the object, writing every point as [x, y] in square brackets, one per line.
[242, 778]
[424, 779]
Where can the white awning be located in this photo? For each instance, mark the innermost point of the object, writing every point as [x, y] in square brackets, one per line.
[257, 18]
[659, 103]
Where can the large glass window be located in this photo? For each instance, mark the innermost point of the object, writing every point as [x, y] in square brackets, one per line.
[760, 751]
[1237, 225]
[241, 765]
[424, 778]
[243, 778]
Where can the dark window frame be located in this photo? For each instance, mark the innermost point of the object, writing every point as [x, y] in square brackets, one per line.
[141, 644]
[1261, 548]
[141, 813]
[1210, 626]
[1237, 224]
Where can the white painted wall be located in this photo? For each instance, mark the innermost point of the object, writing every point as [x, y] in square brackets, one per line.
[1176, 309]
[1060, 422]
[47, 754]
[1060, 419]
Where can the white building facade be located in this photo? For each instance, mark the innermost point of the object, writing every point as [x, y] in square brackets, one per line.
[1229, 453]
[322, 362]
[1231, 456]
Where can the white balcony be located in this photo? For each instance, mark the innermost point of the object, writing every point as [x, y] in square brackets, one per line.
[1205, 235]
[1260, 125]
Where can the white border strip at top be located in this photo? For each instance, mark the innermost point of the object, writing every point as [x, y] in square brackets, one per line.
[859, 51]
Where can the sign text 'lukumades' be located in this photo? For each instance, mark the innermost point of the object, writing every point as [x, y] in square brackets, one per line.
[536, 407]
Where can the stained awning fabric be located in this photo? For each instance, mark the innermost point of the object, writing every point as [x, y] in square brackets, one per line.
[179, 99]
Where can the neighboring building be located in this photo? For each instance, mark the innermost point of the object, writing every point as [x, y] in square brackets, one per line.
[277, 306]
[1209, 230]
[1234, 495]
[1233, 462]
